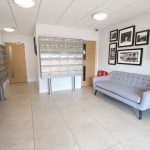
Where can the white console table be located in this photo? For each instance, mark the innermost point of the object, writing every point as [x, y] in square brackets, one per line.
[49, 79]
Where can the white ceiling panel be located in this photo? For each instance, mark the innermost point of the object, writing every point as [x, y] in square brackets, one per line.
[110, 21]
[25, 17]
[89, 22]
[116, 5]
[50, 10]
[147, 0]
[6, 18]
[114, 19]
[28, 12]
[75, 12]
[139, 8]
[93, 2]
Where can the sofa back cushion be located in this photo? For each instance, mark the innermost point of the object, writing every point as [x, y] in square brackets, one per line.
[135, 80]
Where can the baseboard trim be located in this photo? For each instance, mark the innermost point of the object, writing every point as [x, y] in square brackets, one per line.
[32, 80]
[43, 91]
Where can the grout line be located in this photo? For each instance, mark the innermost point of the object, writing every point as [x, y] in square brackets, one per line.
[3, 111]
[114, 13]
[116, 145]
[13, 15]
[6, 110]
[66, 125]
[64, 11]
[81, 18]
[99, 125]
[119, 141]
[32, 118]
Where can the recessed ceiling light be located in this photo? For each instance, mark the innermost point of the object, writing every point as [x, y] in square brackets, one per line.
[25, 3]
[9, 29]
[100, 16]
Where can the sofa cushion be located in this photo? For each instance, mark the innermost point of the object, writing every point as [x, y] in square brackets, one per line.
[125, 91]
[131, 79]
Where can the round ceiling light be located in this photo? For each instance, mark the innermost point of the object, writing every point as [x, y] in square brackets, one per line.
[25, 3]
[9, 29]
[100, 16]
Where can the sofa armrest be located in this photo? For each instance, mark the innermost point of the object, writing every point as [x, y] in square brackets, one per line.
[100, 78]
[145, 102]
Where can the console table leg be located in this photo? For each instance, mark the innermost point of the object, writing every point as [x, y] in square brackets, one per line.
[50, 86]
[73, 83]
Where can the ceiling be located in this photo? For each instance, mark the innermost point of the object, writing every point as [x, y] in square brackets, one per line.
[71, 13]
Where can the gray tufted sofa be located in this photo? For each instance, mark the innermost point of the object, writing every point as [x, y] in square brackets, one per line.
[129, 88]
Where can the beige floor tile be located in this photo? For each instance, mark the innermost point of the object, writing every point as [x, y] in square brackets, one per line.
[93, 137]
[23, 146]
[41, 98]
[115, 121]
[143, 124]
[15, 133]
[11, 117]
[68, 108]
[101, 112]
[117, 147]
[66, 104]
[77, 118]
[120, 128]
[138, 142]
[3, 108]
[48, 124]
[43, 107]
[61, 141]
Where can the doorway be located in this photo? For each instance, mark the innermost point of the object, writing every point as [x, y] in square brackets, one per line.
[88, 63]
[16, 62]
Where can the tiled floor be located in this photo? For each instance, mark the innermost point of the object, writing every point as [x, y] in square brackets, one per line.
[69, 121]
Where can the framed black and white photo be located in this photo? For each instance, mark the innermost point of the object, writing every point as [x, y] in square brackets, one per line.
[142, 38]
[130, 56]
[112, 53]
[113, 36]
[126, 36]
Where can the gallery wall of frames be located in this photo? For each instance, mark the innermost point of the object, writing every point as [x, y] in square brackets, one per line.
[121, 44]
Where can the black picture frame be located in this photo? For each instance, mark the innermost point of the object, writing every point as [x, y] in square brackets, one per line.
[112, 53]
[130, 56]
[113, 35]
[142, 37]
[126, 36]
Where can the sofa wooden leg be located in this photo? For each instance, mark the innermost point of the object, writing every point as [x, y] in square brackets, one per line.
[95, 92]
[140, 114]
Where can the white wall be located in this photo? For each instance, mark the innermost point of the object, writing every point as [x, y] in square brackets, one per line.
[65, 32]
[141, 22]
[29, 53]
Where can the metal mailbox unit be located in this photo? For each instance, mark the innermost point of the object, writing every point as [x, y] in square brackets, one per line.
[3, 71]
[60, 57]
